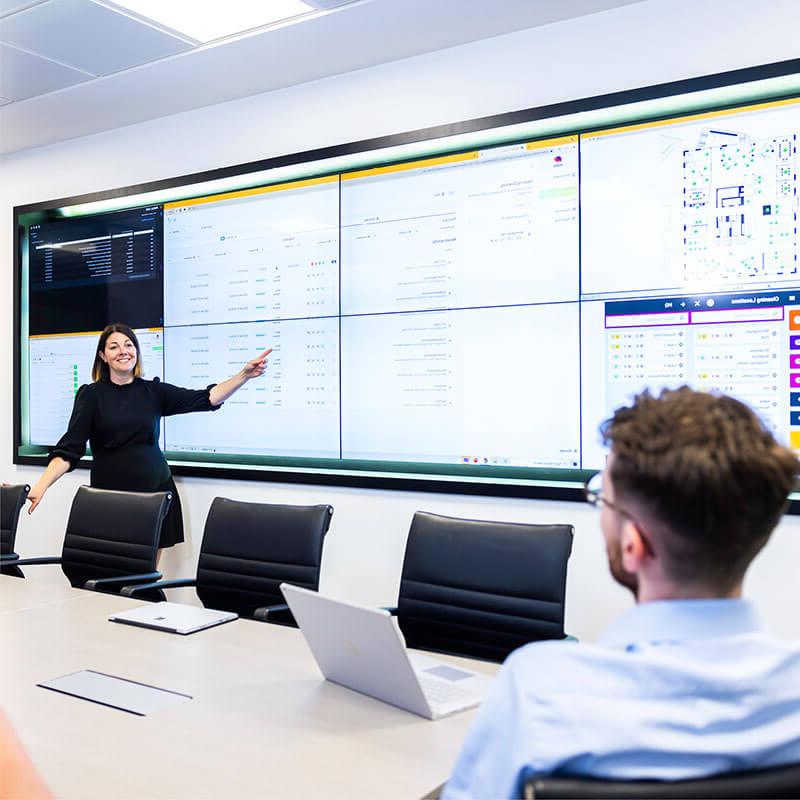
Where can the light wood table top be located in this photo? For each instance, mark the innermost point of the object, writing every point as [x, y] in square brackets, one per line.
[262, 721]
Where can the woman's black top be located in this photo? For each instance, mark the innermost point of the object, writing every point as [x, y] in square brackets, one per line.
[122, 425]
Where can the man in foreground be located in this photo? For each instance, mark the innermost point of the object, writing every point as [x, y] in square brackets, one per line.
[19, 779]
[687, 683]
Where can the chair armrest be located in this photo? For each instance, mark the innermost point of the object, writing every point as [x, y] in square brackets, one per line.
[174, 583]
[6, 558]
[391, 609]
[97, 583]
[264, 613]
[42, 560]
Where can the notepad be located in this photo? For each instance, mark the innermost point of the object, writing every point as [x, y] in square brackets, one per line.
[120, 693]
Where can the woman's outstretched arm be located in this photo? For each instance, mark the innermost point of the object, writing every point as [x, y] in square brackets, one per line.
[252, 369]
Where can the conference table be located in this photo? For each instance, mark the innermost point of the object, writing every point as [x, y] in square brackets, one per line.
[262, 722]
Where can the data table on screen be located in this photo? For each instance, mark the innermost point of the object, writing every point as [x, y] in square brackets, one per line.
[293, 410]
[268, 255]
[741, 345]
[484, 228]
[494, 386]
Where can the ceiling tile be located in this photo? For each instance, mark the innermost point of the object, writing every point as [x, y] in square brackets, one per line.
[24, 75]
[324, 3]
[361, 34]
[88, 36]
[9, 6]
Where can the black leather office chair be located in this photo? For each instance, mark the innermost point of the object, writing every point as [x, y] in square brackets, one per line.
[111, 539]
[776, 782]
[766, 784]
[248, 550]
[481, 589]
[12, 500]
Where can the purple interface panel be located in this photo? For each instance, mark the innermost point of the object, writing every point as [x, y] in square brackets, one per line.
[706, 317]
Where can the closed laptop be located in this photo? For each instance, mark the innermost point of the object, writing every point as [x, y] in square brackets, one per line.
[173, 617]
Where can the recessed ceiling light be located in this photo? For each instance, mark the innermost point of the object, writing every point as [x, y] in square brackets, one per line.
[207, 21]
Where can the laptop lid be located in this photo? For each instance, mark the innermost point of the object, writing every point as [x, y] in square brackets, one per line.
[173, 617]
[363, 649]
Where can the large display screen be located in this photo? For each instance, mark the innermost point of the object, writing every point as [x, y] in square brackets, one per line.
[457, 312]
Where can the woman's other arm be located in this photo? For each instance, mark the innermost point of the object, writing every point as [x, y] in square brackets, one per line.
[71, 447]
[55, 469]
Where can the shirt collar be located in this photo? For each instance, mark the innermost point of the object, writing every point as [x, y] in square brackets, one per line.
[679, 621]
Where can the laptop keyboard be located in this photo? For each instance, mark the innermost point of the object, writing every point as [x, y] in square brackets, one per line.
[441, 693]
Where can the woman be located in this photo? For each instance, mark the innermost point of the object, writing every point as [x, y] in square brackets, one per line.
[120, 414]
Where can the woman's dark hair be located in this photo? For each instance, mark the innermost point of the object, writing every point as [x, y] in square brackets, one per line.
[704, 475]
[100, 370]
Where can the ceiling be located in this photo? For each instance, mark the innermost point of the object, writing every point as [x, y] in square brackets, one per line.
[74, 67]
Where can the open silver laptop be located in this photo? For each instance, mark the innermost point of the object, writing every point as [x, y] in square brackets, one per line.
[173, 617]
[363, 649]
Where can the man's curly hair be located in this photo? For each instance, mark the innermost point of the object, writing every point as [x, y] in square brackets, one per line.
[705, 479]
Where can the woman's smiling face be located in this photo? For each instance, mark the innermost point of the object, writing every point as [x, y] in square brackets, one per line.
[120, 354]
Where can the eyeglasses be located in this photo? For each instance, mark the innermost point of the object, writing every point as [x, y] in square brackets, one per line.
[593, 492]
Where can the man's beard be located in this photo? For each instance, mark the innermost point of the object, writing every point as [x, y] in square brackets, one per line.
[624, 578]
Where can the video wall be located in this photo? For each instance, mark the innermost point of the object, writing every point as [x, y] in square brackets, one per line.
[463, 310]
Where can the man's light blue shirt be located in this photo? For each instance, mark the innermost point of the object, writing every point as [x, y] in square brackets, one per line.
[674, 689]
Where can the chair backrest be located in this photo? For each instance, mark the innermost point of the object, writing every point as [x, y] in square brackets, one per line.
[12, 499]
[775, 782]
[112, 533]
[480, 588]
[249, 549]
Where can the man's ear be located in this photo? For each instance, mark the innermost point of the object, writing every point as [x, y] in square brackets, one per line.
[632, 547]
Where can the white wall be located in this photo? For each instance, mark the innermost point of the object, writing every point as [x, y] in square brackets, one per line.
[651, 42]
